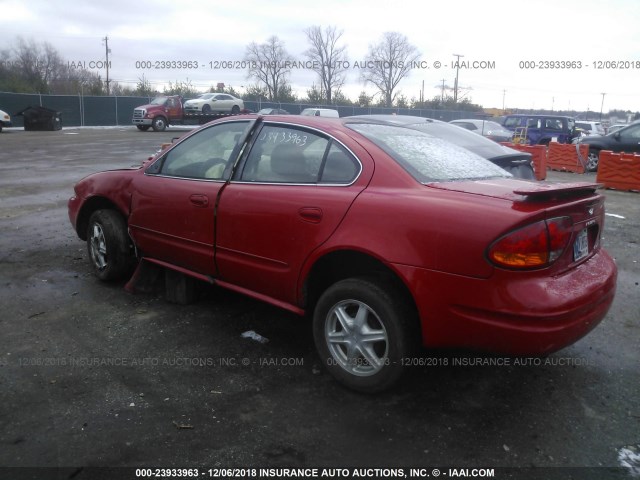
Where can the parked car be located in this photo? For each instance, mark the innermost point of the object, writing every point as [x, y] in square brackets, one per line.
[542, 129]
[272, 111]
[214, 102]
[320, 112]
[515, 162]
[589, 128]
[487, 128]
[626, 139]
[388, 236]
[5, 120]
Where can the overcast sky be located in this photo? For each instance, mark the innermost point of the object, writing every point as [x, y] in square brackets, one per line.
[502, 33]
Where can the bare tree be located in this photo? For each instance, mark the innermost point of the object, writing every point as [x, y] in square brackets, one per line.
[29, 67]
[269, 63]
[329, 59]
[388, 62]
[40, 65]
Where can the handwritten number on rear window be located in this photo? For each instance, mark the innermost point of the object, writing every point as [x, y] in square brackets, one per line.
[284, 137]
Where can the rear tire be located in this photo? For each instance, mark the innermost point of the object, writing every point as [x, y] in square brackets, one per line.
[363, 330]
[235, 109]
[109, 247]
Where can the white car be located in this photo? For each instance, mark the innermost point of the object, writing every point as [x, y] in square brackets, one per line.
[5, 120]
[214, 103]
[486, 128]
[589, 128]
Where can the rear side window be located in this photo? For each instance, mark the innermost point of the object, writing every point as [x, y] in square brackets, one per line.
[427, 158]
[284, 154]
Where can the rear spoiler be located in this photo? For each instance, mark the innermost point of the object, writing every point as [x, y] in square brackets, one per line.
[544, 191]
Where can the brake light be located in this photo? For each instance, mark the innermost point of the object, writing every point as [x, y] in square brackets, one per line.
[536, 245]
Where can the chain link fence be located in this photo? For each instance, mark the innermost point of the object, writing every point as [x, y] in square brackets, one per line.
[83, 110]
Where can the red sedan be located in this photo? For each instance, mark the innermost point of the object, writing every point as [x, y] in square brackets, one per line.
[388, 237]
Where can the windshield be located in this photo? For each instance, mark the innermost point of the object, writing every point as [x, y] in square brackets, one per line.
[428, 158]
[159, 101]
[206, 96]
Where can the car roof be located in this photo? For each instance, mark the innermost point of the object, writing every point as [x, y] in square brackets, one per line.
[396, 119]
[462, 137]
[538, 115]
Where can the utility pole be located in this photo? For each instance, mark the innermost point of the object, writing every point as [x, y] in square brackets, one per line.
[455, 87]
[107, 52]
[601, 105]
[504, 92]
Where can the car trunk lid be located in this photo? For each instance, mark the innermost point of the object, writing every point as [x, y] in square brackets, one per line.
[578, 201]
[520, 191]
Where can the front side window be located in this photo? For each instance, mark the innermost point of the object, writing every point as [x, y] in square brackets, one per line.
[512, 122]
[428, 158]
[284, 154]
[205, 155]
[631, 132]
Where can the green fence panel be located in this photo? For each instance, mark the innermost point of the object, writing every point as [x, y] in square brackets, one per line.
[78, 110]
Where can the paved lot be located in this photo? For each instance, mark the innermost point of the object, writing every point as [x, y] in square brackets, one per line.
[91, 375]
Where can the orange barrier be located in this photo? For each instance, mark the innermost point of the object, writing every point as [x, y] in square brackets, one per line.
[619, 170]
[538, 157]
[564, 157]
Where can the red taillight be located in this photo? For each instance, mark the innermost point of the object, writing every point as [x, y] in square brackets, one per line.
[533, 246]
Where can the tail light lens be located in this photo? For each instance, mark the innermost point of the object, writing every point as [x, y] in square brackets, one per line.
[534, 246]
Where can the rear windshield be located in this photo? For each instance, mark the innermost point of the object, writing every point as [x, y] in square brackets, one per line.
[427, 158]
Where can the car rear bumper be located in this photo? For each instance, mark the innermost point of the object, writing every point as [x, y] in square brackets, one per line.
[532, 315]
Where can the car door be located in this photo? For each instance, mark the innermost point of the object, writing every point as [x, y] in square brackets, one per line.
[173, 108]
[287, 198]
[173, 202]
[628, 140]
[222, 103]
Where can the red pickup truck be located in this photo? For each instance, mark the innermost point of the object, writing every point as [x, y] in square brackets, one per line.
[169, 110]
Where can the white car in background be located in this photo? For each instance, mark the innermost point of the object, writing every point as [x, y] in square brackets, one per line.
[487, 128]
[214, 103]
[589, 128]
[5, 120]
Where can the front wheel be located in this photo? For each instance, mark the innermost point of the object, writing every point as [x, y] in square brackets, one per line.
[206, 108]
[109, 246]
[159, 124]
[592, 160]
[363, 330]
